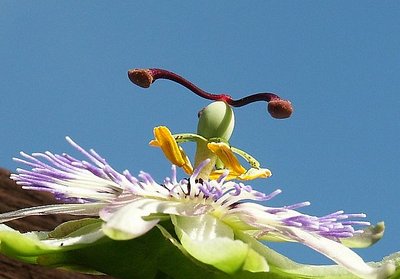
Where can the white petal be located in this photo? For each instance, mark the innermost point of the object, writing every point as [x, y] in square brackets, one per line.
[151, 205]
[341, 255]
[127, 222]
[211, 241]
[124, 216]
[74, 209]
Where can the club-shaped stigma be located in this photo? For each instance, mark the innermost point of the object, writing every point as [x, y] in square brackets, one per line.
[277, 107]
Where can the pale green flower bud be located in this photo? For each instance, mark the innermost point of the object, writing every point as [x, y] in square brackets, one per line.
[216, 121]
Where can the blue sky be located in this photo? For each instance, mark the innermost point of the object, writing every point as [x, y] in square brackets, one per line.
[63, 72]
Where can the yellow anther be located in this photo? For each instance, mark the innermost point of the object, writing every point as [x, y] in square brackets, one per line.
[171, 150]
[225, 154]
[255, 173]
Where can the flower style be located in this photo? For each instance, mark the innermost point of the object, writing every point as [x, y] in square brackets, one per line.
[207, 215]
[208, 224]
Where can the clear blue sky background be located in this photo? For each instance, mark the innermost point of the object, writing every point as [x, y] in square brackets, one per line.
[63, 72]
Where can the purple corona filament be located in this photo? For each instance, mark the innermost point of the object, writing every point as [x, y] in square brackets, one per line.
[277, 107]
[94, 181]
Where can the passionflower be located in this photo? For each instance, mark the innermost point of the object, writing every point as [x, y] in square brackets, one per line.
[206, 225]
[216, 221]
